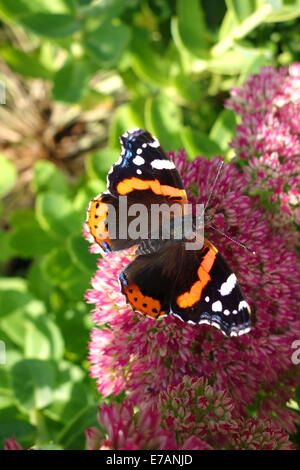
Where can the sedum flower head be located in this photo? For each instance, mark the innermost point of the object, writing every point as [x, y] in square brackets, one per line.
[268, 137]
[193, 415]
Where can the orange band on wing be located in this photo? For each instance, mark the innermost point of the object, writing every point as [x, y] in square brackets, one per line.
[190, 298]
[128, 185]
[97, 214]
[142, 303]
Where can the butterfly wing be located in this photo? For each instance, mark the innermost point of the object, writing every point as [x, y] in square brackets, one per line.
[143, 175]
[196, 286]
[144, 166]
[207, 292]
[147, 281]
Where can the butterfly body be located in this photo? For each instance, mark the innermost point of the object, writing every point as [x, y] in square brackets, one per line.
[196, 285]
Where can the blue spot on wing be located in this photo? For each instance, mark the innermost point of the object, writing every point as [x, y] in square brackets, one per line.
[126, 159]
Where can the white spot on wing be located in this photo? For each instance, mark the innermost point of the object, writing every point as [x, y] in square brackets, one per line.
[204, 322]
[207, 299]
[139, 172]
[133, 130]
[162, 164]
[139, 151]
[155, 143]
[226, 312]
[217, 306]
[138, 160]
[229, 285]
[244, 304]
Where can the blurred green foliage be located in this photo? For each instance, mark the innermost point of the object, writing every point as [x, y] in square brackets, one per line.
[173, 63]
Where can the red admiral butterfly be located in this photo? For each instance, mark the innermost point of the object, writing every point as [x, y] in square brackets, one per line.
[197, 286]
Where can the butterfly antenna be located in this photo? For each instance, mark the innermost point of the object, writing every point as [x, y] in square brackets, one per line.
[229, 238]
[213, 186]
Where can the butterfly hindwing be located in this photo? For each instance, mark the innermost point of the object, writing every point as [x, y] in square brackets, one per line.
[207, 292]
[147, 281]
[196, 286]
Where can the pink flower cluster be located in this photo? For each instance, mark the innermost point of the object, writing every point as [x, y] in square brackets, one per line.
[149, 360]
[12, 444]
[269, 137]
[191, 416]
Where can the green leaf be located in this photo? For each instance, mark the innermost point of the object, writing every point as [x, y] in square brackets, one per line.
[50, 446]
[163, 118]
[13, 283]
[107, 42]
[8, 176]
[22, 217]
[191, 28]
[239, 30]
[5, 249]
[76, 319]
[12, 425]
[253, 67]
[71, 81]
[88, 192]
[6, 393]
[73, 430]
[30, 240]
[78, 249]
[9, 10]
[23, 7]
[107, 8]
[278, 4]
[58, 267]
[51, 25]
[99, 163]
[13, 325]
[13, 296]
[123, 119]
[33, 383]
[286, 13]
[148, 64]
[223, 129]
[47, 177]
[234, 61]
[25, 64]
[62, 272]
[197, 143]
[56, 214]
[70, 392]
[38, 285]
[43, 339]
[241, 9]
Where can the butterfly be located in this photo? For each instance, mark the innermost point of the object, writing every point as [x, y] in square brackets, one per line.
[165, 278]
